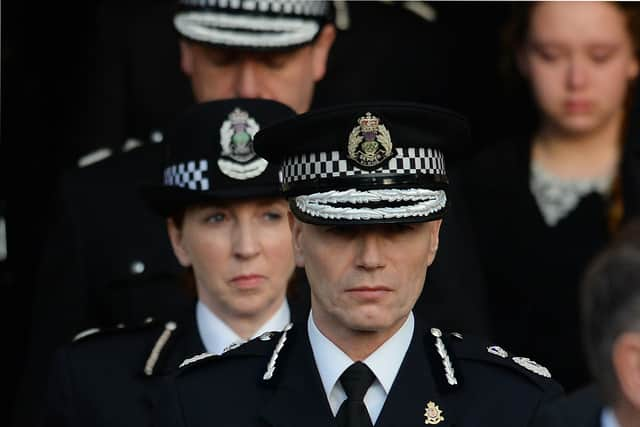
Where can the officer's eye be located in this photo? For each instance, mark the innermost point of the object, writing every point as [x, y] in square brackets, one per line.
[215, 217]
[275, 60]
[273, 216]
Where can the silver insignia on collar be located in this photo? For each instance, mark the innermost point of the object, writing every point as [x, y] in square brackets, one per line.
[271, 367]
[446, 362]
[498, 351]
[193, 359]
[238, 159]
[532, 366]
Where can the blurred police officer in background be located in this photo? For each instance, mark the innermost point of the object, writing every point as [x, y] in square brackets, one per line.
[610, 310]
[368, 189]
[228, 225]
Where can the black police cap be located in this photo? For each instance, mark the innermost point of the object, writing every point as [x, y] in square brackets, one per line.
[210, 155]
[366, 163]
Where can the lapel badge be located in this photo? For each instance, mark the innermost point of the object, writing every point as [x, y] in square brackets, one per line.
[369, 142]
[498, 351]
[238, 159]
[432, 414]
[532, 366]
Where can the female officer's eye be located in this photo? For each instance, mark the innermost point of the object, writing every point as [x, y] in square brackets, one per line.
[215, 217]
[273, 216]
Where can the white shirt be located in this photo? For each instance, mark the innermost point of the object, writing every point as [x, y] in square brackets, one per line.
[384, 362]
[217, 335]
[608, 418]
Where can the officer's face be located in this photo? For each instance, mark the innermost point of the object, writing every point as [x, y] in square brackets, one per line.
[364, 278]
[579, 58]
[288, 77]
[241, 256]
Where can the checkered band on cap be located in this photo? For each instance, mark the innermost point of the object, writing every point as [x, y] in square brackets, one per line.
[188, 175]
[332, 165]
[315, 8]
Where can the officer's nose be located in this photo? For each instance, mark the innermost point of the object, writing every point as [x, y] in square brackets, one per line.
[247, 84]
[245, 244]
[370, 253]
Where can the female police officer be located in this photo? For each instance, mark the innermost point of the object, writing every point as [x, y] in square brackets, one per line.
[227, 223]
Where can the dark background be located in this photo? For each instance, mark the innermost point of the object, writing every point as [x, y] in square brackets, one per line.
[56, 105]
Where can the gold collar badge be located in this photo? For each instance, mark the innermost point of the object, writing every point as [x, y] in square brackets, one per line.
[432, 414]
[369, 142]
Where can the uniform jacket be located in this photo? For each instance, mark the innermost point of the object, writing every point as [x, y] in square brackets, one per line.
[582, 408]
[109, 377]
[229, 390]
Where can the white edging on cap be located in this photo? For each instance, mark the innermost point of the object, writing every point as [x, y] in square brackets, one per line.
[426, 202]
[245, 31]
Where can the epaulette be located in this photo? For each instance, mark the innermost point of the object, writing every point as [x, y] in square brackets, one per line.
[158, 346]
[260, 346]
[120, 327]
[94, 156]
[473, 348]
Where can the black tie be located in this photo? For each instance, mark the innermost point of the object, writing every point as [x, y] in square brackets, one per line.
[355, 380]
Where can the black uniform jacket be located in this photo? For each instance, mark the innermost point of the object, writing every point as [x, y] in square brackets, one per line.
[582, 408]
[108, 377]
[229, 390]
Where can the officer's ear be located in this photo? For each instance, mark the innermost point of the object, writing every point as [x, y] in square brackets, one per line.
[434, 239]
[186, 57]
[320, 51]
[626, 363]
[296, 233]
[175, 236]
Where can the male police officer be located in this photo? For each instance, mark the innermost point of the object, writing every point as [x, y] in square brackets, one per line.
[368, 190]
[108, 260]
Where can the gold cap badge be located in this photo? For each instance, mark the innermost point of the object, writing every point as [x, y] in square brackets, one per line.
[432, 414]
[369, 142]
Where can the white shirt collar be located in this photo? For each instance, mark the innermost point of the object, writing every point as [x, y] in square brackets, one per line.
[384, 362]
[608, 418]
[217, 335]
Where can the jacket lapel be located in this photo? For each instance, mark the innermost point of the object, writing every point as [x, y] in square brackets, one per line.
[298, 396]
[413, 389]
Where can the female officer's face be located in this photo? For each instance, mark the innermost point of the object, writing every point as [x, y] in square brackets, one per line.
[579, 59]
[364, 278]
[241, 256]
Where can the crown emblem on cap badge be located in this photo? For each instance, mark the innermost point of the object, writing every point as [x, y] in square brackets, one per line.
[238, 159]
[369, 142]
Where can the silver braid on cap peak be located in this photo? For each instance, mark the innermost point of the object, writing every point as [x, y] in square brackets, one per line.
[245, 31]
[420, 202]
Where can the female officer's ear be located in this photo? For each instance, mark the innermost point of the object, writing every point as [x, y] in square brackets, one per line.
[175, 236]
